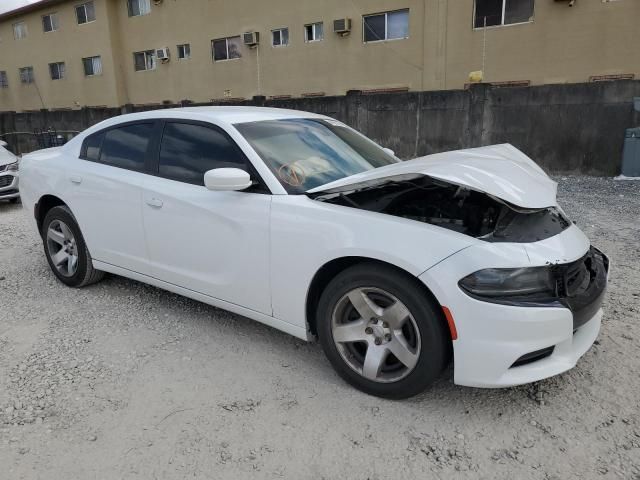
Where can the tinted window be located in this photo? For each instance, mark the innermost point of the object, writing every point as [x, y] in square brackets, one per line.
[92, 146]
[188, 151]
[126, 147]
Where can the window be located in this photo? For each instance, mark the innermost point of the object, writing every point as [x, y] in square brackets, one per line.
[144, 60]
[91, 147]
[306, 153]
[138, 7]
[92, 66]
[26, 75]
[86, 13]
[226, 48]
[187, 151]
[4, 80]
[386, 26]
[50, 22]
[56, 70]
[126, 147]
[280, 37]
[502, 12]
[19, 30]
[314, 32]
[184, 51]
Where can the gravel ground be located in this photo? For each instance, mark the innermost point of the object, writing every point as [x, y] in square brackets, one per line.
[122, 380]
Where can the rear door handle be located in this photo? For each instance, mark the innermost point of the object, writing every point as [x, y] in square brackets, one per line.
[154, 202]
[75, 179]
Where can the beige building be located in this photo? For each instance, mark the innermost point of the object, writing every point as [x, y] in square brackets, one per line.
[68, 54]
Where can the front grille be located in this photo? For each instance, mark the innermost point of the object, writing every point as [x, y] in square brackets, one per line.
[581, 285]
[6, 180]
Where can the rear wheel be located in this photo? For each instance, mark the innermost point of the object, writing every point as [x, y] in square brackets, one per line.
[66, 250]
[382, 332]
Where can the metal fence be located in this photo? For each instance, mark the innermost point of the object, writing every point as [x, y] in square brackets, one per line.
[24, 142]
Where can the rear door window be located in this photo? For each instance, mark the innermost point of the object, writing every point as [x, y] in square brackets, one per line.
[187, 151]
[126, 147]
[91, 148]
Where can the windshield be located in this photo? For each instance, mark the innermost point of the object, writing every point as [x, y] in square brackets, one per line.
[306, 153]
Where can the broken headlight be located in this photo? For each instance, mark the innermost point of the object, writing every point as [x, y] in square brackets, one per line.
[510, 282]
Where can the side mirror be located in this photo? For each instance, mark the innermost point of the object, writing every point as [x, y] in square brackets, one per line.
[389, 151]
[3, 143]
[227, 179]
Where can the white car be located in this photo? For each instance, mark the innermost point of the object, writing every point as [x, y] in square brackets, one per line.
[8, 174]
[298, 221]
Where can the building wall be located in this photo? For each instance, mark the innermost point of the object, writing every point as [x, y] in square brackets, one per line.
[560, 45]
[69, 44]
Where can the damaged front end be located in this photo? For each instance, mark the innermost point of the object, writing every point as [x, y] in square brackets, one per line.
[458, 208]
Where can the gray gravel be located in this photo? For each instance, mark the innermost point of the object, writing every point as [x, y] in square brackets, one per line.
[122, 380]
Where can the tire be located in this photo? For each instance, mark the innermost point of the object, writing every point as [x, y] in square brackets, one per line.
[347, 337]
[62, 239]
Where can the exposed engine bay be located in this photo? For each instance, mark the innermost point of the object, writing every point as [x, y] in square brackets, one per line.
[440, 203]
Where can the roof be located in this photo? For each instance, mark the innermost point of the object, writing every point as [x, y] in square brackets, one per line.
[32, 7]
[226, 114]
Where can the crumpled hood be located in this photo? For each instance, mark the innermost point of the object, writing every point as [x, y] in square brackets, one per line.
[501, 171]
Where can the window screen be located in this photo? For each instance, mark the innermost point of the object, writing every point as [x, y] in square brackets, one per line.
[188, 151]
[126, 147]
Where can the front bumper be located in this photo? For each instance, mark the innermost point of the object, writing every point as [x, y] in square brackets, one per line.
[493, 339]
[9, 186]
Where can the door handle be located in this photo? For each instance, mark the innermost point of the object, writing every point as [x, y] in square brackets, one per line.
[75, 179]
[154, 202]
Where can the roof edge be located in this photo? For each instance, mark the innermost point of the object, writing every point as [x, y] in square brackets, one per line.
[32, 7]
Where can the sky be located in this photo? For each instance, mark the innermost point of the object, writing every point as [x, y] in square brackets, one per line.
[6, 5]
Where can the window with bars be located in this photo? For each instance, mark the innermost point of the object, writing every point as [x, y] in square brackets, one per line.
[19, 30]
[386, 26]
[85, 13]
[50, 22]
[184, 51]
[491, 13]
[145, 60]
[4, 80]
[314, 32]
[226, 48]
[56, 70]
[137, 8]
[92, 66]
[26, 75]
[280, 37]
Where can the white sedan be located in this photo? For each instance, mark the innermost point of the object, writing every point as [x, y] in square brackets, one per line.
[8, 174]
[298, 221]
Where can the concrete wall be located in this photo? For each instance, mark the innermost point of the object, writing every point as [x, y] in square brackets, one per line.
[573, 128]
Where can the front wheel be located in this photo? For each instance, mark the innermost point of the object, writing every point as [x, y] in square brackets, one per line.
[66, 250]
[382, 332]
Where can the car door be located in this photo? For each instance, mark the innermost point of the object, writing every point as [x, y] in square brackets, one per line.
[105, 193]
[212, 242]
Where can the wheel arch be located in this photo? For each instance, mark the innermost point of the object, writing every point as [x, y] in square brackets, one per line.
[332, 268]
[42, 207]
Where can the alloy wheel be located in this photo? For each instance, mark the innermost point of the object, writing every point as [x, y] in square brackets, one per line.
[62, 248]
[376, 335]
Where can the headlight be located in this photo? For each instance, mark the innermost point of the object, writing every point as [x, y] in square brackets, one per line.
[510, 282]
[13, 167]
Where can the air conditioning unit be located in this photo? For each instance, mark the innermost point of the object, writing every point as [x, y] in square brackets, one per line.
[251, 39]
[342, 26]
[163, 54]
